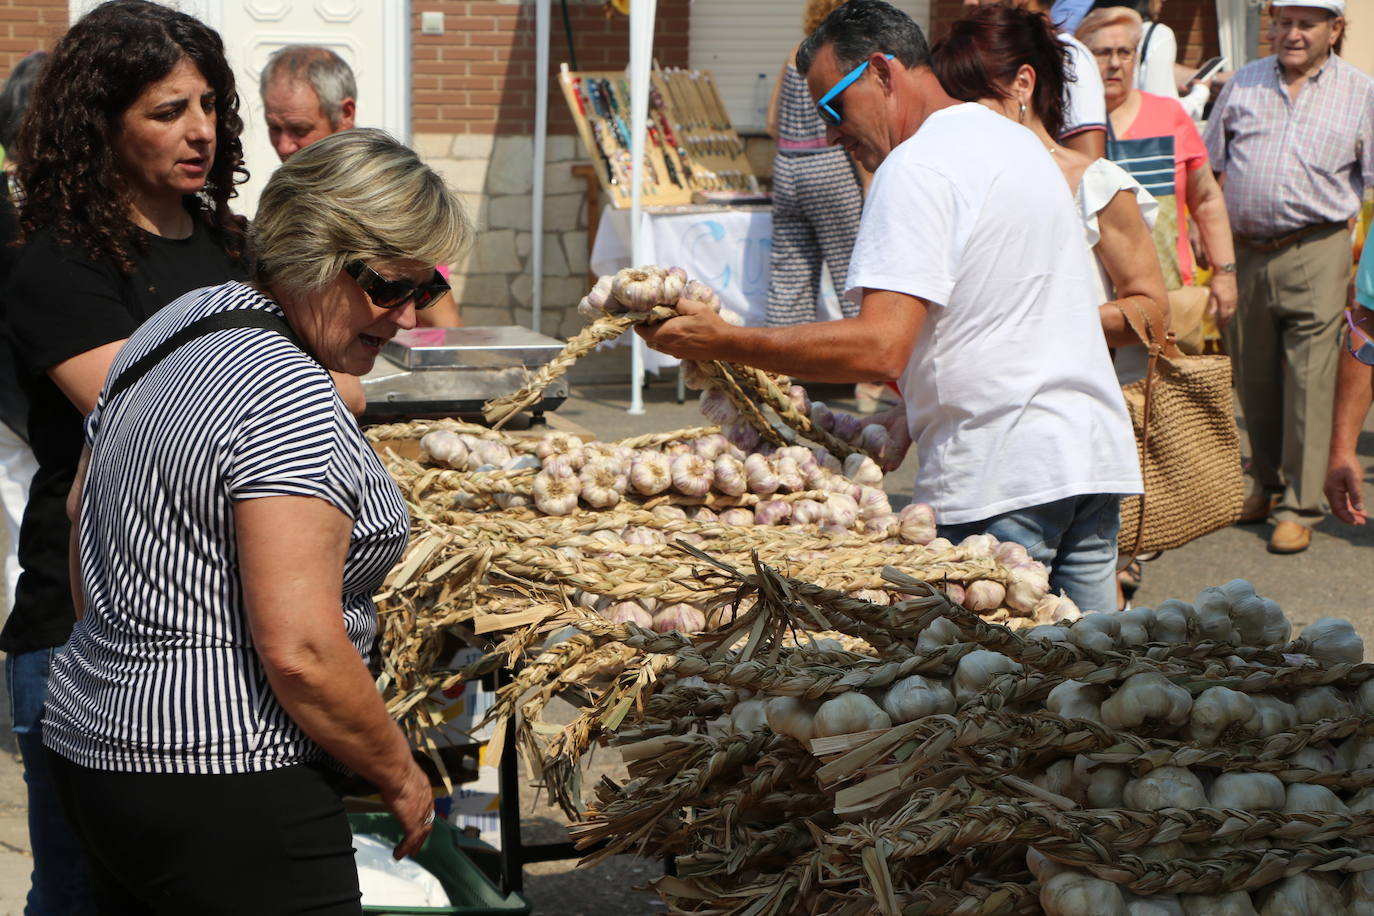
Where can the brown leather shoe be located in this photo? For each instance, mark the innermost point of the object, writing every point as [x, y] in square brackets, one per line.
[1290, 537]
[1257, 507]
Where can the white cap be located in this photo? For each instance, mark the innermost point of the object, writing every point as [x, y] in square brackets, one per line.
[1332, 6]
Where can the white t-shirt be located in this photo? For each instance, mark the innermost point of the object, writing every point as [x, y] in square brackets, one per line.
[1010, 395]
[1085, 101]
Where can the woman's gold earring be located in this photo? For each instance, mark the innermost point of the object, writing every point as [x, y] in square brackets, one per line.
[1023, 112]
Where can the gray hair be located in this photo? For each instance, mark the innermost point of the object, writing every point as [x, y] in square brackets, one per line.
[355, 194]
[326, 72]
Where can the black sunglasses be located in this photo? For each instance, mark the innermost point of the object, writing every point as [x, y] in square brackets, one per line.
[394, 294]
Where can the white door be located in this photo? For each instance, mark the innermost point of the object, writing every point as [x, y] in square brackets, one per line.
[373, 36]
[744, 45]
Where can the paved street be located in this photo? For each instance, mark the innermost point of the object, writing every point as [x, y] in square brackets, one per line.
[1333, 578]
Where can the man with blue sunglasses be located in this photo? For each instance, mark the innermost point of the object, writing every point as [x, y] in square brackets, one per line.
[975, 294]
[1344, 487]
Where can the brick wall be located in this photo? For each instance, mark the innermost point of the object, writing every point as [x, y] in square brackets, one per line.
[478, 77]
[28, 25]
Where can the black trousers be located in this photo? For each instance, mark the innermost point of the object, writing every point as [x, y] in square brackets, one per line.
[251, 844]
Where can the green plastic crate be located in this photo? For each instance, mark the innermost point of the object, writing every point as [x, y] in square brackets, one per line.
[470, 891]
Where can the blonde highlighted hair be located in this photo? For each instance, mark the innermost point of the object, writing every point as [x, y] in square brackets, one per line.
[1110, 17]
[815, 13]
[355, 194]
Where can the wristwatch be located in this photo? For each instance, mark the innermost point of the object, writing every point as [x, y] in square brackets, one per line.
[1226, 268]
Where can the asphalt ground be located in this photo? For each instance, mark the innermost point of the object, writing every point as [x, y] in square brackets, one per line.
[1332, 578]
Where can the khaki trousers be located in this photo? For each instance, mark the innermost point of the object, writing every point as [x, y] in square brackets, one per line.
[1284, 343]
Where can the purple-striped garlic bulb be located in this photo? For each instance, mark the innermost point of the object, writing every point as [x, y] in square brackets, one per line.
[742, 433]
[643, 535]
[692, 475]
[1028, 585]
[918, 523]
[716, 407]
[694, 375]
[629, 612]
[651, 473]
[602, 482]
[559, 466]
[954, 592]
[555, 495]
[511, 500]
[979, 545]
[674, 281]
[801, 401]
[873, 502]
[821, 416]
[807, 512]
[1010, 553]
[683, 618]
[710, 446]
[704, 515]
[847, 426]
[729, 476]
[739, 517]
[790, 478]
[565, 445]
[826, 460]
[760, 476]
[772, 512]
[842, 510]
[874, 439]
[639, 289]
[671, 513]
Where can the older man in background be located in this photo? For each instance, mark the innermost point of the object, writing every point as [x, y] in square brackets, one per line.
[1292, 138]
[308, 93]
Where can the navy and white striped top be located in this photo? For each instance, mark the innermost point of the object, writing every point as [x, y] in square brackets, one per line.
[161, 674]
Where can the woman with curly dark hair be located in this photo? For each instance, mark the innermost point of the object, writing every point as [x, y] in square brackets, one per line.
[127, 162]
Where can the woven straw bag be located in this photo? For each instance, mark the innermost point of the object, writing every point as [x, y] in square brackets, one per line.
[1185, 433]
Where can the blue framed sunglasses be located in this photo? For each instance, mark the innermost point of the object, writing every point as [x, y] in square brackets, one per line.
[1365, 351]
[829, 105]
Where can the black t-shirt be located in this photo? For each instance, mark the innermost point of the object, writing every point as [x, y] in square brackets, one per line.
[59, 303]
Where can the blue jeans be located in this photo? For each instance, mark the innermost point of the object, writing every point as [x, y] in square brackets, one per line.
[60, 885]
[1074, 537]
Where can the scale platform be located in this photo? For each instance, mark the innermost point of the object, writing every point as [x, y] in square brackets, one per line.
[452, 372]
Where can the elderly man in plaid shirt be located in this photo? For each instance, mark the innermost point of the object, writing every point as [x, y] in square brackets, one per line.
[1292, 136]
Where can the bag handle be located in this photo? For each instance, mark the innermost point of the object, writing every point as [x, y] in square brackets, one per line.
[1145, 329]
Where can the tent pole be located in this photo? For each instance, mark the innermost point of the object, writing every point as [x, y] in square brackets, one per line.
[641, 52]
[541, 135]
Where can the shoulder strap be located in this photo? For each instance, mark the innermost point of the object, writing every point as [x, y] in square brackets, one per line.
[1145, 45]
[237, 318]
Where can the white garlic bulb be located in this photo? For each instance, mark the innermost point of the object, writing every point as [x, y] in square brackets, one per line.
[445, 447]
[704, 515]
[873, 502]
[670, 512]
[886, 525]
[651, 473]
[492, 453]
[863, 470]
[729, 476]
[918, 523]
[555, 495]
[602, 483]
[692, 475]
[848, 713]
[511, 500]
[984, 595]
[643, 535]
[759, 475]
[738, 517]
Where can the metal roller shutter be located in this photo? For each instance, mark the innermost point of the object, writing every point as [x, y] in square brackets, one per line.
[745, 42]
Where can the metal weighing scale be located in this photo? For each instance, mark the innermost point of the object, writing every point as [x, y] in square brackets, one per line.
[452, 372]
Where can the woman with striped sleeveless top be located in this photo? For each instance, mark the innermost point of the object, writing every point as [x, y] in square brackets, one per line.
[234, 526]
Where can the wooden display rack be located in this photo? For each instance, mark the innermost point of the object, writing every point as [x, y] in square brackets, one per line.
[691, 146]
